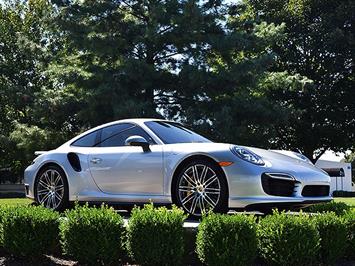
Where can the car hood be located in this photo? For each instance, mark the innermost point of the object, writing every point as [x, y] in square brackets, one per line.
[279, 159]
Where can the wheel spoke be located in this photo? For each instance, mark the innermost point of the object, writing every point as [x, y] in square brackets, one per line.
[42, 191]
[203, 174]
[59, 197]
[189, 180]
[52, 177]
[61, 187]
[195, 174]
[44, 198]
[41, 182]
[210, 201]
[210, 181]
[185, 189]
[202, 205]
[58, 178]
[193, 204]
[187, 198]
[47, 178]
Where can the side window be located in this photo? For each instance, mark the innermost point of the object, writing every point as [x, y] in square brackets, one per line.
[111, 131]
[88, 140]
[119, 139]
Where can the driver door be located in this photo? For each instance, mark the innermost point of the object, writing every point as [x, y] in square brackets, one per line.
[120, 169]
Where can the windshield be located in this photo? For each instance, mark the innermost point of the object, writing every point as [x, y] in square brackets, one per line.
[171, 133]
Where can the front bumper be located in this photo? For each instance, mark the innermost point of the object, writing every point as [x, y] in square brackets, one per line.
[246, 189]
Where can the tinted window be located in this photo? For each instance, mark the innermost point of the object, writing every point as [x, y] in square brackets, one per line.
[171, 133]
[117, 140]
[110, 131]
[88, 140]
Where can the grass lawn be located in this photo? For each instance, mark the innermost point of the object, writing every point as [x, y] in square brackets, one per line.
[24, 201]
[349, 201]
[15, 201]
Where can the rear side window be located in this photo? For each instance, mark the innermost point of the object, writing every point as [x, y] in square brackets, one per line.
[88, 140]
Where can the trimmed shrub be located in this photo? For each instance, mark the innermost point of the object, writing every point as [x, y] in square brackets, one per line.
[30, 231]
[3, 209]
[93, 235]
[285, 239]
[227, 240]
[332, 231]
[349, 218]
[339, 208]
[156, 235]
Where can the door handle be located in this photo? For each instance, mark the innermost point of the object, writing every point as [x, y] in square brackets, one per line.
[96, 160]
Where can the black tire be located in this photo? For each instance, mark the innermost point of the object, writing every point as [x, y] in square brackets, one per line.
[62, 189]
[200, 191]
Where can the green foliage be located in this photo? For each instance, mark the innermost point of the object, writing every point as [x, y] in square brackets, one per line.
[3, 210]
[318, 46]
[156, 235]
[24, 49]
[285, 239]
[333, 235]
[93, 235]
[30, 231]
[227, 240]
[349, 218]
[339, 208]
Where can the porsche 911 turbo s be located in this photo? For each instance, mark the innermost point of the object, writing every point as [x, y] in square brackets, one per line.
[135, 161]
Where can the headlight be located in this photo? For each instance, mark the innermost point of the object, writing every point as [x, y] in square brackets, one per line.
[247, 155]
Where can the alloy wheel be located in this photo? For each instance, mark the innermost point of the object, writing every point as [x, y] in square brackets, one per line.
[199, 189]
[50, 189]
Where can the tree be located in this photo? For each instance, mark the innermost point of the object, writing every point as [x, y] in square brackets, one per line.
[319, 46]
[126, 56]
[21, 60]
[184, 60]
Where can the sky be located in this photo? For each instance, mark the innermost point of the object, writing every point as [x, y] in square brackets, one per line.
[332, 156]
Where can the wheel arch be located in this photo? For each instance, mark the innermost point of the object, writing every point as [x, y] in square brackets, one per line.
[188, 160]
[47, 164]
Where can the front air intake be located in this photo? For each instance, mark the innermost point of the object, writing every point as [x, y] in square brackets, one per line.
[278, 184]
[315, 191]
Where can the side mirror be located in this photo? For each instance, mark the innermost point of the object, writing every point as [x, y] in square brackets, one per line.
[138, 141]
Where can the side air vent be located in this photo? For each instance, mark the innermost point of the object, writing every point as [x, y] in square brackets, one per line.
[74, 161]
[278, 184]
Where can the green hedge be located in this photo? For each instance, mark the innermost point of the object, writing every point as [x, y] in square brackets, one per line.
[30, 231]
[93, 235]
[339, 208]
[156, 235]
[227, 240]
[3, 209]
[333, 233]
[349, 218]
[285, 239]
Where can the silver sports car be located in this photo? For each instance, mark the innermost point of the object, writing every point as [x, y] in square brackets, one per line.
[136, 161]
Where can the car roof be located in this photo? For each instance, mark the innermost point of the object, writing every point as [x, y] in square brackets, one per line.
[138, 121]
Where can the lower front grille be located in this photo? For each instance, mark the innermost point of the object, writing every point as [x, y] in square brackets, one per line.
[278, 184]
[315, 191]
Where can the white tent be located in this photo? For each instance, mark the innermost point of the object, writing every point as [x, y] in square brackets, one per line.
[340, 175]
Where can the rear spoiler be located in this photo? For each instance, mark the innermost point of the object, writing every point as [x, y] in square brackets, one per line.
[40, 152]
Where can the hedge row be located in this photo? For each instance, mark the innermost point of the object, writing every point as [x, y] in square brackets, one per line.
[155, 236]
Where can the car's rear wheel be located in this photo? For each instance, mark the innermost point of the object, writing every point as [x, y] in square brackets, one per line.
[201, 186]
[51, 188]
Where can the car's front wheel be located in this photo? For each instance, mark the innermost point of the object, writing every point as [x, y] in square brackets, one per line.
[51, 188]
[201, 186]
